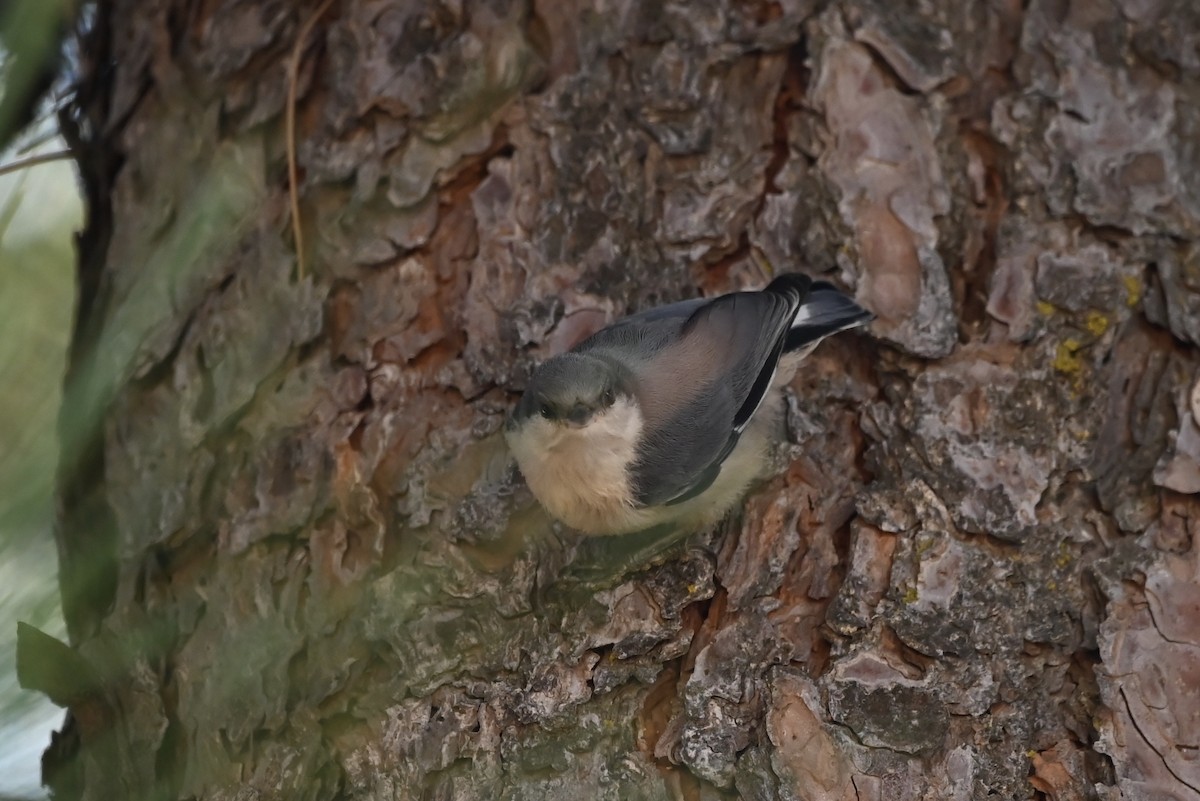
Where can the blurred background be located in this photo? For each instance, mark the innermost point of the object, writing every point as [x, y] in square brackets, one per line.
[39, 212]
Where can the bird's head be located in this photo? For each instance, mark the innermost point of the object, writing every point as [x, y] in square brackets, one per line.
[570, 390]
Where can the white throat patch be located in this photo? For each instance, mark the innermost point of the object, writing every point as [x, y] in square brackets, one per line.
[581, 475]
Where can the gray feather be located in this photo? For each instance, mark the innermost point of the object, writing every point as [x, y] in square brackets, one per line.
[700, 370]
[825, 311]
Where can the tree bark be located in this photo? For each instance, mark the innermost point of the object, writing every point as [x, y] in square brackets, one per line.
[297, 562]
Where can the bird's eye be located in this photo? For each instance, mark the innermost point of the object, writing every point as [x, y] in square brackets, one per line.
[545, 411]
[607, 398]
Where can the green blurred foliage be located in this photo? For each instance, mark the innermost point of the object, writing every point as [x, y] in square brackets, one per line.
[39, 210]
[31, 37]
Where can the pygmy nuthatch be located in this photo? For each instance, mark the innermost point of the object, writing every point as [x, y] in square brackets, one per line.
[666, 416]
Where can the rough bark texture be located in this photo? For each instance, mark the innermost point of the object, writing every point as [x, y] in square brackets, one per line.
[293, 547]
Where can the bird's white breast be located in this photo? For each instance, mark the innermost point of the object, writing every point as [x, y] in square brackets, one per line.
[581, 474]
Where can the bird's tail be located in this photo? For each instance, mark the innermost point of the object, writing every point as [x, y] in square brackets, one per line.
[824, 311]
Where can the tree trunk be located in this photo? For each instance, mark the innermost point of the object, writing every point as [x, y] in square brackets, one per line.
[297, 562]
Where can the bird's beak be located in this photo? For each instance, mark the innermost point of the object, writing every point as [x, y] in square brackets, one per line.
[579, 415]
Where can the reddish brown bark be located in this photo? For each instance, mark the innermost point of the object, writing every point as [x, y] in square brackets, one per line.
[293, 544]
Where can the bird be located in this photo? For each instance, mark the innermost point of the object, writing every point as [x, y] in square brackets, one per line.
[667, 416]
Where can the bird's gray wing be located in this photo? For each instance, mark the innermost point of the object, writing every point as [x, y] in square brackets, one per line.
[702, 380]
